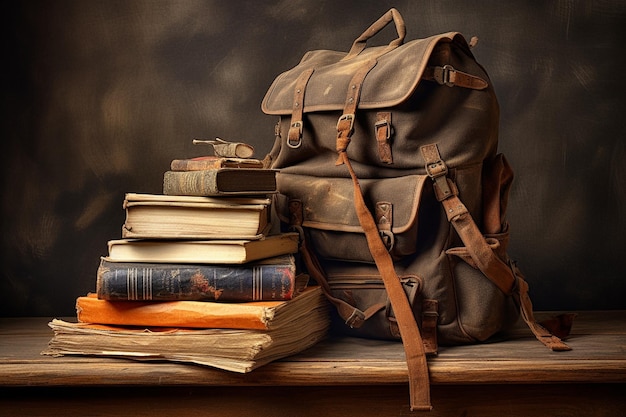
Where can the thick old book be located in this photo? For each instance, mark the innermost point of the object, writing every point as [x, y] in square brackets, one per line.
[220, 182]
[259, 315]
[156, 216]
[213, 162]
[269, 279]
[305, 321]
[226, 251]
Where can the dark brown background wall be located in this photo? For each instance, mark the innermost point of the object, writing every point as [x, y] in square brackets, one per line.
[99, 96]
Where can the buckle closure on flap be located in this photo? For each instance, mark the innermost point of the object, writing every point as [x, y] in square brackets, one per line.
[436, 169]
[297, 125]
[294, 139]
[349, 117]
[438, 172]
[442, 75]
[386, 124]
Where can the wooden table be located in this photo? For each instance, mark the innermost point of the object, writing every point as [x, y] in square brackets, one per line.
[340, 376]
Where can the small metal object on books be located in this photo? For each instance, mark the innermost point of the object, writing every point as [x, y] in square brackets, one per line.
[227, 149]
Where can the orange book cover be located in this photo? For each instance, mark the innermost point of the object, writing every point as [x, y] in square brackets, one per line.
[258, 315]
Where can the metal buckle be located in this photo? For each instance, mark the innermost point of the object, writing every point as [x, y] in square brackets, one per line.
[347, 116]
[356, 319]
[295, 144]
[436, 169]
[383, 123]
[438, 172]
[442, 75]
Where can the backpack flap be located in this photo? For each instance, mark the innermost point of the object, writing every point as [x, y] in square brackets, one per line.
[424, 91]
[391, 82]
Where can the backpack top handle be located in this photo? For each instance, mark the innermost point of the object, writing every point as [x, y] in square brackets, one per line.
[392, 15]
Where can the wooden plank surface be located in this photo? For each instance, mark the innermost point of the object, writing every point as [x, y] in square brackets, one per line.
[598, 355]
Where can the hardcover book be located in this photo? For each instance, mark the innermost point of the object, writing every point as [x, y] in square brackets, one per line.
[227, 251]
[304, 322]
[268, 279]
[213, 162]
[186, 217]
[259, 315]
[220, 182]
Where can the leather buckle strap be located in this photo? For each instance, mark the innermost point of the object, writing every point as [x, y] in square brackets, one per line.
[449, 76]
[437, 170]
[345, 124]
[356, 319]
[383, 130]
[294, 137]
[459, 217]
[384, 126]
[442, 75]
[343, 119]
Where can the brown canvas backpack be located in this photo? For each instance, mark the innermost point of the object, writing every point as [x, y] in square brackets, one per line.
[389, 167]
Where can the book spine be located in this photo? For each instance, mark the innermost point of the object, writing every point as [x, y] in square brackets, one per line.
[167, 282]
[193, 183]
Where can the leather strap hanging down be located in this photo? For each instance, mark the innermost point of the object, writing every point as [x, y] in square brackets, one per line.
[419, 384]
[526, 308]
[481, 255]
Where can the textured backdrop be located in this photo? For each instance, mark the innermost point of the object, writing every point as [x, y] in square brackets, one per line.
[99, 96]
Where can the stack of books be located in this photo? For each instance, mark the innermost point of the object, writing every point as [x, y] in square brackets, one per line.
[199, 276]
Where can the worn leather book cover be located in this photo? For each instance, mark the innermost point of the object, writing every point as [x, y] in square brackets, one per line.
[266, 280]
[220, 182]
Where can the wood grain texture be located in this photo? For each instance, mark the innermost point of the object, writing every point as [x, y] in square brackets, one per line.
[597, 356]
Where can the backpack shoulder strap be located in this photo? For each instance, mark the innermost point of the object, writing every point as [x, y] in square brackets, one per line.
[419, 384]
[505, 276]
